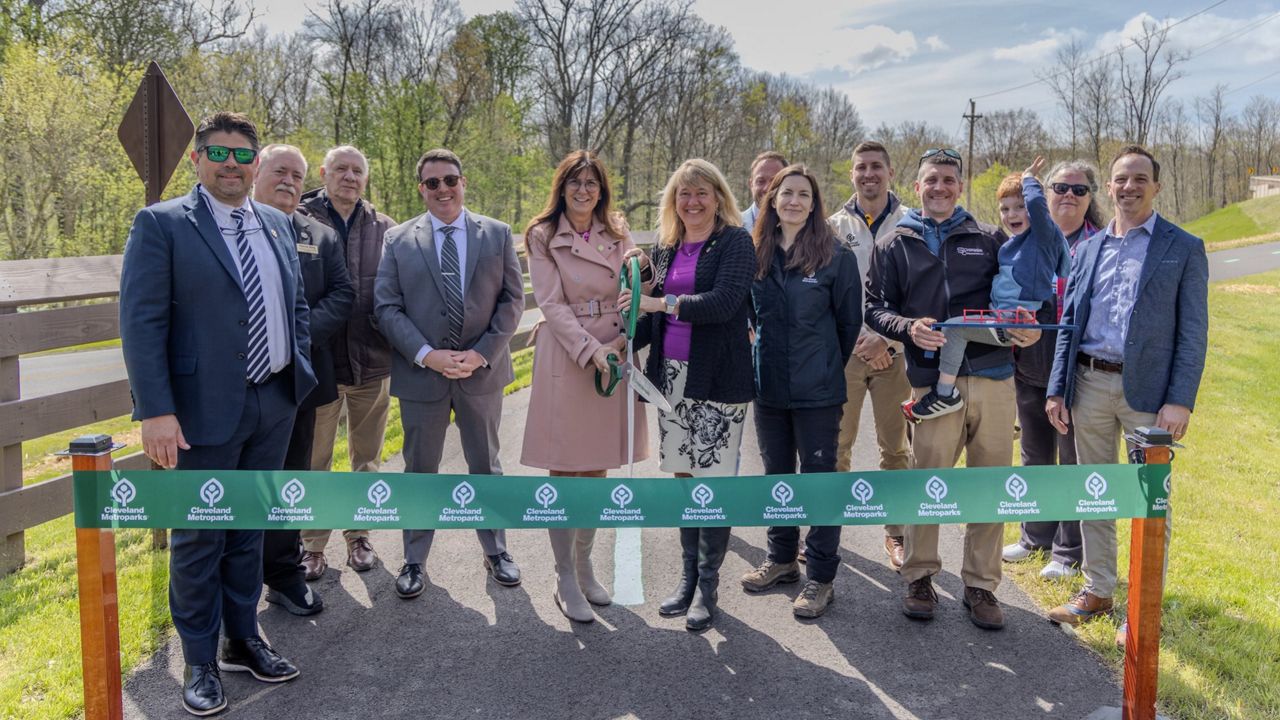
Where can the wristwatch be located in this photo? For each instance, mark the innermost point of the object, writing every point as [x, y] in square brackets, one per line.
[671, 300]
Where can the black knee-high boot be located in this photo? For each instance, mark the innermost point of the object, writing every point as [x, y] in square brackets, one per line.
[678, 603]
[713, 543]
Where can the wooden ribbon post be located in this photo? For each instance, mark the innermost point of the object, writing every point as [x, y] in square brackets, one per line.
[99, 602]
[1146, 590]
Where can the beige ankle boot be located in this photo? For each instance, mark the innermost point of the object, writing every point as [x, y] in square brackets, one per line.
[583, 540]
[568, 596]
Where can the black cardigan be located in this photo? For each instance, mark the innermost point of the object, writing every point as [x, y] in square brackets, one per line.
[718, 310]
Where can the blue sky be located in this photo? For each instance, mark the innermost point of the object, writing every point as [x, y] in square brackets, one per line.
[911, 59]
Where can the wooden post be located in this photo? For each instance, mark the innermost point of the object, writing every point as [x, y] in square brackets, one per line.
[99, 611]
[1146, 590]
[13, 549]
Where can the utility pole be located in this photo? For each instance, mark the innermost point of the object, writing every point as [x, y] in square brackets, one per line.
[973, 118]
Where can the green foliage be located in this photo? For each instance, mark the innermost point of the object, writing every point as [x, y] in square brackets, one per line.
[1260, 216]
[985, 206]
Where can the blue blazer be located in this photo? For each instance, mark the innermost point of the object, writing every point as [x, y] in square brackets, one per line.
[1168, 329]
[184, 319]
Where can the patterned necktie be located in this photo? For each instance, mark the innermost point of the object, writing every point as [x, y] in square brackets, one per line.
[259, 355]
[452, 285]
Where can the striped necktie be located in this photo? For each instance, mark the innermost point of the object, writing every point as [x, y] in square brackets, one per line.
[452, 285]
[259, 355]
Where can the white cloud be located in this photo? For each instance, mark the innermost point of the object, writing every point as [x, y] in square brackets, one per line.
[936, 44]
[1035, 52]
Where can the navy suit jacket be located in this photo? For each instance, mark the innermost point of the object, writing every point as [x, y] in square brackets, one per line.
[1168, 334]
[184, 319]
[330, 296]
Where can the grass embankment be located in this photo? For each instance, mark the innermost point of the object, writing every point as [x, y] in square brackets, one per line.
[1250, 222]
[39, 611]
[1220, 653]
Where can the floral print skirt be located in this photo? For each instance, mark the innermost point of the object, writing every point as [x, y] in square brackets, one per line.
[698, 437]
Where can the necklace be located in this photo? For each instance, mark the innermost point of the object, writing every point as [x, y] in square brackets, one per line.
[687, 251]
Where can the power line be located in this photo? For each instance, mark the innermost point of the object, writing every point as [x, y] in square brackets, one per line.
[1251, 84]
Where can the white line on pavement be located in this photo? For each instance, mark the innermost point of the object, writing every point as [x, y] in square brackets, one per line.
[1224, 262]
[628, 586]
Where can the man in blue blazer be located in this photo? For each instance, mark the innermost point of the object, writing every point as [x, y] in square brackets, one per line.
[1138, 295]
[214, 329]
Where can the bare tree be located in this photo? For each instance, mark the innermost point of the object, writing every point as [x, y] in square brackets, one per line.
[1174, 133]
[1065, 79]
[1144, 80]
[1260, 124]
[352, 31]
[1097, 105]
[1010, 137]
[1212, 113]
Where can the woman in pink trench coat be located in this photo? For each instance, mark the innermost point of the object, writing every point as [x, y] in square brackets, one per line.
[575, 248]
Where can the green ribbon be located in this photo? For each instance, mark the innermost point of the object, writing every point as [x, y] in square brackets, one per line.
[213, 499]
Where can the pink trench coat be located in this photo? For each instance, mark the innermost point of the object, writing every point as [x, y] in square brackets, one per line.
[570, 427]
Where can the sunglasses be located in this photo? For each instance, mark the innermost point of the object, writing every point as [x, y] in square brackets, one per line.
[948, 152]
[219, 153]
[434, 183]
[1077, 190]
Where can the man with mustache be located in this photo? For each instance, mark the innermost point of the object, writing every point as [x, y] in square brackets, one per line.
[281, 172]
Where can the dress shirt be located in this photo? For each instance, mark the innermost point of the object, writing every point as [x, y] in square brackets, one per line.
[1115, 290]
[460, 241]
[279, 348]
[749, 218]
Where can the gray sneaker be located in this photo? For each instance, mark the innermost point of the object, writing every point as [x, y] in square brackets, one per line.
[769, 574]
[814, 599]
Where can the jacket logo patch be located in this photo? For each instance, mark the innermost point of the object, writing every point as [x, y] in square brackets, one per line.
[970, 251]
[809, 278]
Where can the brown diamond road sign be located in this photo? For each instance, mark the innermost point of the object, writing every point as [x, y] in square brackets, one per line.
[155, 131]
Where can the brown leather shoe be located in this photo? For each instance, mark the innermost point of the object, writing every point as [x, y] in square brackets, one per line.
[360, 554]
[1084, 605]
[896, 551]
[984, 609]
[314, 564]
[920, 599]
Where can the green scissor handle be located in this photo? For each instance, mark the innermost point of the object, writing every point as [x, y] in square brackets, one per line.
[615, 376]
[628, 279]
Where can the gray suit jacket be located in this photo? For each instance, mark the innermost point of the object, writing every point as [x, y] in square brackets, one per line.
[1168, 329]
[410, 305]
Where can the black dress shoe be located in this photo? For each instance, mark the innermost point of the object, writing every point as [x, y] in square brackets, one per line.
[298, 599]
[503, 569]
[410, 583]
[202, 690]
[255, 657]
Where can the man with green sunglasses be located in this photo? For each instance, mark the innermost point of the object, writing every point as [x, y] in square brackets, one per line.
[219, 153]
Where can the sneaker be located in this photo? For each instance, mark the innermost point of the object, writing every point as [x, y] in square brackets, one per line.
[1015, 553]
[931, 406]
[769, 574]
[920, 599]
[298, 599]
[1055, 570]
[1084, 605]
[814, 599]
[984, 609]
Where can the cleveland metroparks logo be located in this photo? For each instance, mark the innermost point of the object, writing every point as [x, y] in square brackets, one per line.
[212, 491]
[379, 492]
[293, 492]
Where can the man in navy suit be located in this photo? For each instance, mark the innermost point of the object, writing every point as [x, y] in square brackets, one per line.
[214, 329]
[1138, 295]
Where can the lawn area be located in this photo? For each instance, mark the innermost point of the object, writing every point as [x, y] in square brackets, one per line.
[1244, 223]
[1220, 654]
[39, 614]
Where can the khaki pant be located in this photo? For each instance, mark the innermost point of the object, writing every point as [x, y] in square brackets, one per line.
[1099, 414]
[366, 407]
[888, 389]
[983, 430]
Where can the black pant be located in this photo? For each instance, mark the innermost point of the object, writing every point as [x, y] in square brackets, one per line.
[810, 435]
[282, 549]
[1044, 445]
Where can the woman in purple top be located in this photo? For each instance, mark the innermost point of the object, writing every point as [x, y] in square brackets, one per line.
[699, 356]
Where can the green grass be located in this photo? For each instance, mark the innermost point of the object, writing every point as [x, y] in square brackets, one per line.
[1220, 652]
[39, 611]
[1237, 222]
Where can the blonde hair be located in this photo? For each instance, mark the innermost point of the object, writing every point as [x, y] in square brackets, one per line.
[690, 173]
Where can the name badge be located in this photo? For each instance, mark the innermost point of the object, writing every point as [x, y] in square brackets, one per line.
[308, 248]
[809, 279]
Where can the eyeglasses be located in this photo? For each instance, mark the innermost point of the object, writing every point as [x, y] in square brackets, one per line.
[434, 183]
[588, 185]
[1077, 190]
[219, 153]
[948, 152]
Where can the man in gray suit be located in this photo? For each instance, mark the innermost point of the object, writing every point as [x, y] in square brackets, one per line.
[1138, 294]
[449, 295]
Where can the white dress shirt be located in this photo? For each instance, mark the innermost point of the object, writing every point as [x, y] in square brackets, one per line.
[460, 241]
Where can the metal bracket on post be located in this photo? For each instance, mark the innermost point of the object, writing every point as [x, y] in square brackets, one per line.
[99, 602]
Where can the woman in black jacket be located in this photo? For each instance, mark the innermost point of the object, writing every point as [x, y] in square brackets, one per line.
[807, 313]
[699, 356]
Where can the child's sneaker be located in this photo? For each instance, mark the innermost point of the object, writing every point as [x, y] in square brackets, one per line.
[932, 405]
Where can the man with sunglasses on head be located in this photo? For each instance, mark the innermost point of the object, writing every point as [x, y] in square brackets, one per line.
[449, 297]
[361, 356]
[214, 328]
[938, 262]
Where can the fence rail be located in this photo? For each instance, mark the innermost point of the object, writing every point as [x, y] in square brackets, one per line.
[58, 303]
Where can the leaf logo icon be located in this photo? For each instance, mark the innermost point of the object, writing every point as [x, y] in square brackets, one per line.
[862, 491]
[1168, 484]
[1095, 485]
[1015, 486]
[545, 495]
[293, 492]
[622, 495]
[123, 492]
[212, 491]
[783, 493]
[463, 493]
[703, 495]
[936, 488]
[379, 492]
